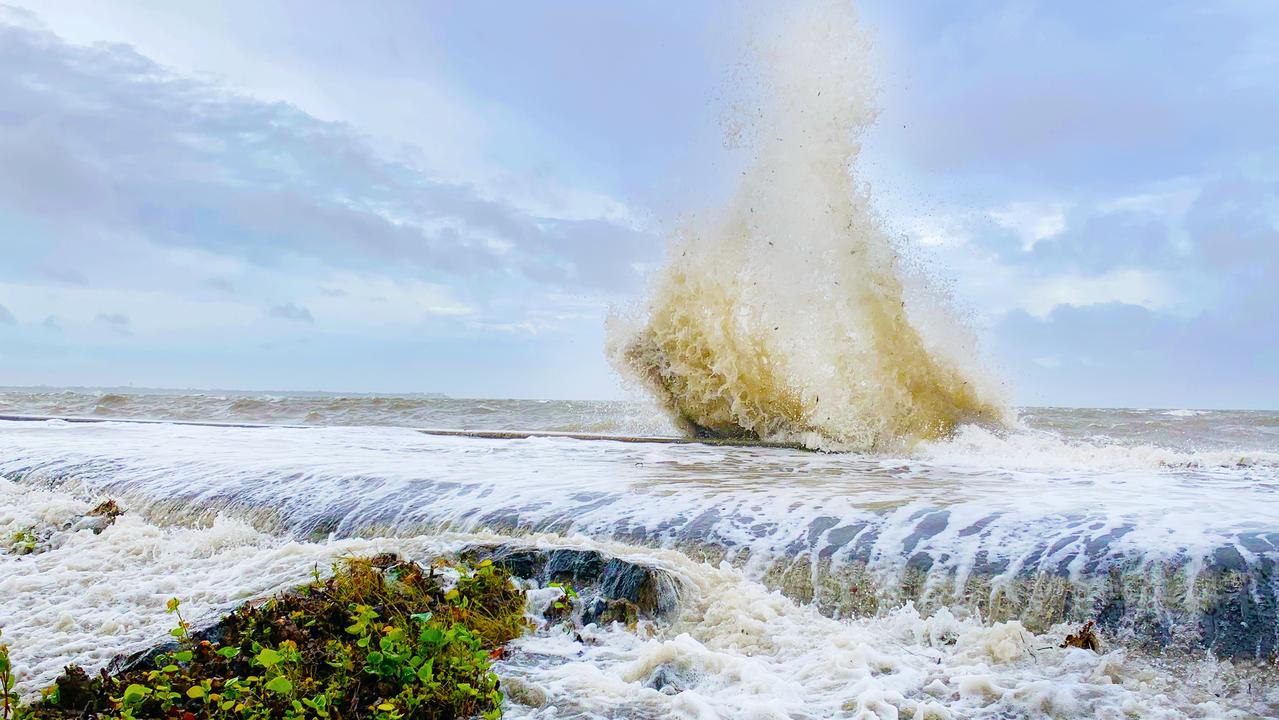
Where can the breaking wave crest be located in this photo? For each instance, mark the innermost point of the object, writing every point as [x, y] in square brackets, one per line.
[785, 315]
[1024, 448]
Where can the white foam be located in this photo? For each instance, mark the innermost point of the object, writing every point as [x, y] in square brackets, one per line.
[90, 596]
[1022, 448]
[979, 502]
[734, 649]
[1187, 413]
[739, 651]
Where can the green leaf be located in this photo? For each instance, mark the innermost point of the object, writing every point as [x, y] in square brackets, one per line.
[268, 658]
[184, 656]
[195, 692]
[135, 692]
[422, 617]
[229, 652]
[280, 684]
[426, 672]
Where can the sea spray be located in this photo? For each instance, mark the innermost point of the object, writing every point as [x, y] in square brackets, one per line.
[783, 315]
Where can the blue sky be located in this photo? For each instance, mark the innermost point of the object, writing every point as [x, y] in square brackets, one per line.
[449, 197]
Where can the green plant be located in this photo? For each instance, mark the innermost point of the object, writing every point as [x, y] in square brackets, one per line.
[24, 541]
[565, 602]
[8, 697]
[379, 639]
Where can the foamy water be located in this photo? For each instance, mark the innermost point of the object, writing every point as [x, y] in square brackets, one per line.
[939, 581]
[735, 649]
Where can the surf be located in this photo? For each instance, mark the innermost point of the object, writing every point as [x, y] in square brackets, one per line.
[786, 315]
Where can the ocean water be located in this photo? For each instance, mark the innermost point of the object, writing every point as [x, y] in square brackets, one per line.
[933, 582]
[866, 528]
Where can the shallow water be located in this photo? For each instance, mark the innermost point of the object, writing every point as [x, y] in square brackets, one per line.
[818, 585]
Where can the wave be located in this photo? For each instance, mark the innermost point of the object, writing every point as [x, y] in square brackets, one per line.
[733, 647]
[1022, 448]
[1186, 413]
[786, 315]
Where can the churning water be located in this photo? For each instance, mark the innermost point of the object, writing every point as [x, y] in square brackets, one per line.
[937, 582]
[786, 315]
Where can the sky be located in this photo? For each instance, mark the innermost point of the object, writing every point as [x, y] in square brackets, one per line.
[450, 197]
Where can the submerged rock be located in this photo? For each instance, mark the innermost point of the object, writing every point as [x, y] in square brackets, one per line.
[34, 540]
[611, 589]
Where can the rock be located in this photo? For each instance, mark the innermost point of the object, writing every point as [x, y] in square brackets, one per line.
[518, 691]
[99, 518]
[611, 589]
[666, 679]
[75, 690]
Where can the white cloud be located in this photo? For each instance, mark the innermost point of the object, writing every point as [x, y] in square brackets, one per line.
[1032, 222]
[139, 177]
[1130, 287]
[381, 300]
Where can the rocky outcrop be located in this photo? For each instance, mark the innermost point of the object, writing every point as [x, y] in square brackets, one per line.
[610, 589]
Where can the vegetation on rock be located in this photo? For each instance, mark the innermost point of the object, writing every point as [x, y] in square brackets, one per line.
[33, 540]
[382, 639]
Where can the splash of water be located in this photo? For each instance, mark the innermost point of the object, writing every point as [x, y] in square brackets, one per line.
[784, 316]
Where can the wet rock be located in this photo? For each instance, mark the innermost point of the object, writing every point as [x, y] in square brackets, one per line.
[518, 691]
[75, 691]
[667, 680]
[35, 540]
[611, 589]
[602, 611]
[142, 659]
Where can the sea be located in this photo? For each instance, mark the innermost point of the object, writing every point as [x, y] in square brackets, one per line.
[853, 519]
[934, 582]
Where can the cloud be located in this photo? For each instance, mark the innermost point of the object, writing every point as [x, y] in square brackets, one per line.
[65, 275]
[100, 142]
[289, 311]
[1125, 355]
[117, 322]
[6, 317]
[1040, 95]
[1130, 287]
[1031, 222]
